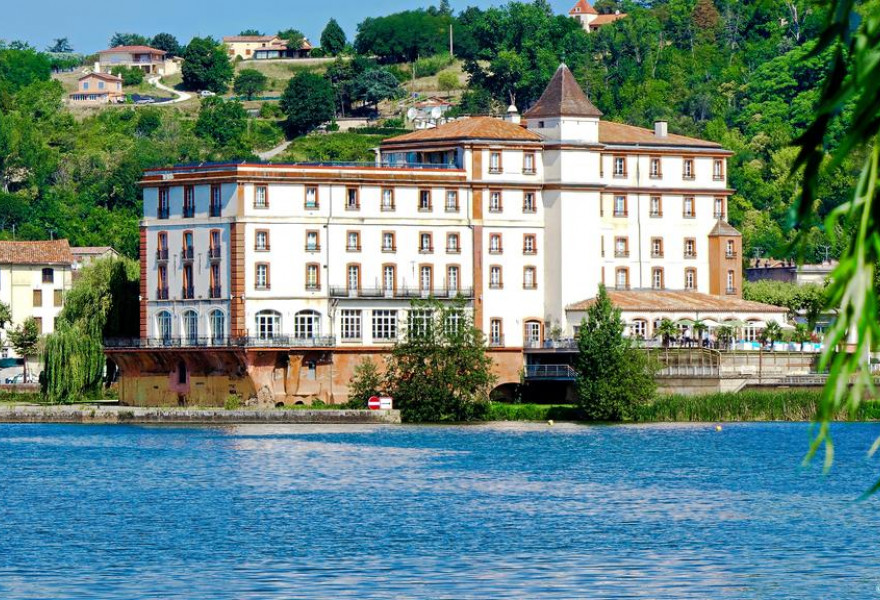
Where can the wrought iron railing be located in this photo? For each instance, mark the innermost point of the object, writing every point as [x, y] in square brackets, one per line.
[565, 372]
[278, 341]
[401, 292]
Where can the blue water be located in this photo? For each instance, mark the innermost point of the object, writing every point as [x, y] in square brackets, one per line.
[494, 511]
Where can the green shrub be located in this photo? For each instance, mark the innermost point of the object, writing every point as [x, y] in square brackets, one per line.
[129, 75]
[233, 402]
[431, 65]
[500, 411]
[271, 110]
[757, 405]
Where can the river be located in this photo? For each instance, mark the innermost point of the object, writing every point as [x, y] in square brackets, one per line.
[484, 511]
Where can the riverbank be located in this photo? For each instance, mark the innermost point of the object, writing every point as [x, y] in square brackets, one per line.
[189, 416]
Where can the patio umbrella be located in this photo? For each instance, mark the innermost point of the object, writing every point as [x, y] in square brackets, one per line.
[711, 323]
[787, 326]
[685, 322]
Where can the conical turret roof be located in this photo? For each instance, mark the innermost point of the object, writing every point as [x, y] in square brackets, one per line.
[563, 98]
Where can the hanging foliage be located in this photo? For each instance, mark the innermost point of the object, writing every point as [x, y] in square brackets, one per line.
[74, 365]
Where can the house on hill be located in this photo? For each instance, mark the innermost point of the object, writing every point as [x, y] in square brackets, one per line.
[98, 88]
[589, 17]
[263, 47]
[150, 60]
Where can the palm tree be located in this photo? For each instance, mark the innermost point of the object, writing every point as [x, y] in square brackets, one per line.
[666, 330]
[699, 329]
[725, 336]
[801, 334]
[772, 333]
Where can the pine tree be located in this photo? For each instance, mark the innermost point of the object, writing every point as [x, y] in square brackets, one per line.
[333, 38]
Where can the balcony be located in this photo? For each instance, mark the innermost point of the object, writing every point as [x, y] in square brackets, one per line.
[620, 213]
[690, 254]
[353, 248]
[215, 291]
[550, 372]
[162, 255]
[214, 253]
[426, 250]
[399, 293]
[187, 292]
[621, 254]
[162, 212]
[496, 341]
[313, 247]
[657, 254]
[656, 214]
[277, 341]
[162, 293]
[187, 253]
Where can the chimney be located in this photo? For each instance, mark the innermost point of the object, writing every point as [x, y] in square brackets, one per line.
[661, 128]
[513, 114]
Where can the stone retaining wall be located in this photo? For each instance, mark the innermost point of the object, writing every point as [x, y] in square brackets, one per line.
[169, 416]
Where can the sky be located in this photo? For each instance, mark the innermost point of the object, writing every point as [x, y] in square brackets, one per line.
[90, 24]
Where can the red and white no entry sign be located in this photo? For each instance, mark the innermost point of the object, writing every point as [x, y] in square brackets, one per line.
[374, 403]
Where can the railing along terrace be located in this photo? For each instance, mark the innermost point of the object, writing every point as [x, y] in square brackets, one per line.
[550, 372]
[222, 166]
[278, 341]
[401, 292]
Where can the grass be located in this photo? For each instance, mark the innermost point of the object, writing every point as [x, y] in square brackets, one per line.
[279, 72]
[499, 411]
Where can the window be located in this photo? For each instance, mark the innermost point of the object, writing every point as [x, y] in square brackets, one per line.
[529, 205]
[656, 247]
[214, 291]
[494, 162]
[621, 278]
[718, 169]
[58, 297]
[655, 168]
[313, 276]
[38, 298]
[162, 287]
[454, 320]
[532, 331]
[188, 251]
[690, 248]
[311, 197]
[495, 281]
[384, 324]
[163, 326]
[261, 242]
[85, 86]
[690, 279]
[48, 275]
[496, 332]
[268, 324]
[424, 200]
[100, 85]
[689, 210]
[388, 241]
[389, 279]
[452, 278]
[353, 279]
[387, 200]
[217, 321]
[495, 201]
[426, 279]
[188, 291]
[261, 197]
[731, 249]
[451, 201]
[162, 212]
[656, 206]
[657, 278]
[162, 246]
[307, 325]
[350, 324]
[529, 163]
[621, 247]
[530, 278]
[619, 166]
[495, 244]
[312, 241]
[453, 245]
[688, 168]
[602, 246]
[262, 278]
[191, 327]
[216, 207]
[353, 241]
[419, 324]
[426, 244]
[214, 244]
[189, 202]
[620, 206]
[638, 329]
[731, 282]
[352, 199]
[530, 245]
[719, 208]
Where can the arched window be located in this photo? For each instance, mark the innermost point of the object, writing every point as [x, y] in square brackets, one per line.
[218, 326]
[307, 325]
[191, 327]
[163, 326]
[268, 324]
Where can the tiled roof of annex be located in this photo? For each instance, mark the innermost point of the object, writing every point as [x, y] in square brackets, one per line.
[54, 252]
[562, 97]
[133, 49]
[678, 301]
[470, 128]
[619, 133]
[583, 8]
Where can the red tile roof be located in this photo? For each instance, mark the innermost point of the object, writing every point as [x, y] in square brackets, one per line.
[91, 250]
[134, 50]
[582, 8]
[55, 252]
[679, 301]
[563, 97]
[618, 133]
[605, 19]
[470, 128]
[250, 38]
[107, 76]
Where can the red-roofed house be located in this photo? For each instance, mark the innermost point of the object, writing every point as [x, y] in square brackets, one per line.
[263, 47]
[34, 277]
[589, 17]
[98, 88]
[151, 60]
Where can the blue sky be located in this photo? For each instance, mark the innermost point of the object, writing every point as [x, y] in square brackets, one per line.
[90, 24]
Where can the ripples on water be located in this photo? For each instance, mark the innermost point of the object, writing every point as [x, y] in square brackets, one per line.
[494, 511]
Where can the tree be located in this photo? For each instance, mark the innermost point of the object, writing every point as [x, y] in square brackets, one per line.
[333, 38]
[294, 38]
[5, 315]
[251, 32]
[249, 83]
[448, 81]
[206, 66]
[223, 122]
[801, 334]
[666, 331]
[307, 102]
[128, 39]
[403, 36]
[374, 86]
[60, 46]
[25, 340]
[613, 377]
[725, 335]
[367, 382]
[771, 334]
[440, 371]
[166, 42]
[129, 75]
